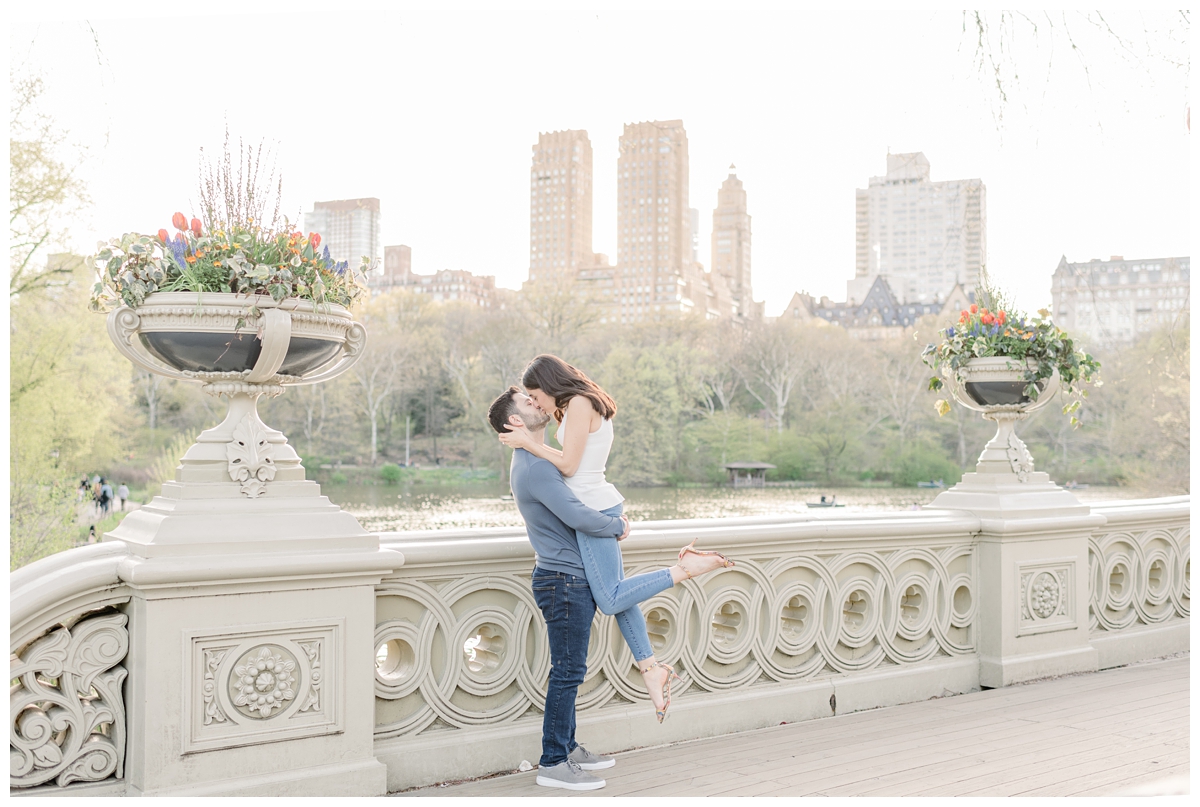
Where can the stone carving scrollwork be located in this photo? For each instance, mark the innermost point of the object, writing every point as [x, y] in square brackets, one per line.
[251, 456]
[1139, 577]
[313, 651]
[1019, 457]
[212, 705]
[65, 704]
[471, 650]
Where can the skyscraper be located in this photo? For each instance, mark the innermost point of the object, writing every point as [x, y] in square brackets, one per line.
[560, 203]
[731, 242]
[654, 222]
[924, 237]
[349, 227]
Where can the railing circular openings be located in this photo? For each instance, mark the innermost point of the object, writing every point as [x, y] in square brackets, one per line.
[659, 624]
[483, 651]
[395, 661]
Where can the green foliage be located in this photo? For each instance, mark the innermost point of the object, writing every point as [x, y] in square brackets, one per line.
[338, 478]
[924, 463]
[390, 473]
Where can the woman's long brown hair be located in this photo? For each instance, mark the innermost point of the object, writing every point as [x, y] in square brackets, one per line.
[562, 382]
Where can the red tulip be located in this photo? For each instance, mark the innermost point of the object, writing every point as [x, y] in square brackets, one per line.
[974, 308]
[987, 319]
[163, 236]
[1002, 317]
[180, 221]
[964, 313]
[196, 227]
[314, 239]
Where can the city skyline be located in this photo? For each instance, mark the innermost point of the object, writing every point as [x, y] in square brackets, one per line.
[1076, 168]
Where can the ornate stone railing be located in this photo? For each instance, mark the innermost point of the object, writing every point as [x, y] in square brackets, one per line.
[822, 615]
[819, 615]
[68, 643]
[1140, 568]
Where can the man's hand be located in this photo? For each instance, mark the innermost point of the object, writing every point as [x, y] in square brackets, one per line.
[625, 534]
[517, 436]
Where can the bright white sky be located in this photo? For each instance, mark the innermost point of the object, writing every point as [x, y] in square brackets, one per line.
[435, 114]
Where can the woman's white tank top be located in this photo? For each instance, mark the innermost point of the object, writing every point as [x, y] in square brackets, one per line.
[588, 484]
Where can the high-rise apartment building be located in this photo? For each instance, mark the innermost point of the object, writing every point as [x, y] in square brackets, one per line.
[560, 204]
[349, 227]
[654, 222]
[731, 242]
[1115, 300]
[924, 237]
[694, 220]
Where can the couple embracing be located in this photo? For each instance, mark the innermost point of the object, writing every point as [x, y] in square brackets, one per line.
[574, 521]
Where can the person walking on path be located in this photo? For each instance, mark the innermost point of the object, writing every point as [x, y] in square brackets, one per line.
[552, 516]
[106, 495]
[122, 497]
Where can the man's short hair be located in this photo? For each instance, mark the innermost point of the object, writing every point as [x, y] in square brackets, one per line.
[501, 408]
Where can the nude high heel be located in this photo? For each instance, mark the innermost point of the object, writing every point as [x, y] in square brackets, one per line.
[661, 714]
[690, 548]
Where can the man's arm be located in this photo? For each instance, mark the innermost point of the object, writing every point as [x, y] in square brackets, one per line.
[547, 486]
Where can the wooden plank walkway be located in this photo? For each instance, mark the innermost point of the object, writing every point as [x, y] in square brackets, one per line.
[1087, 734]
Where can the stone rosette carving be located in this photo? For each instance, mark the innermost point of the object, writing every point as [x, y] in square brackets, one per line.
[275, 682]
[251, 457]
[1045, 595]
[66, 710]
[263, 681]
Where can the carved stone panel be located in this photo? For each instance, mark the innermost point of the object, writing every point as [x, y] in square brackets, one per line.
[266, 684]
[1045, 596]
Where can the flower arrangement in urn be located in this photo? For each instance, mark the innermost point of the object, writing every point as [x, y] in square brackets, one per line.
[1036, 349]
[231, 248]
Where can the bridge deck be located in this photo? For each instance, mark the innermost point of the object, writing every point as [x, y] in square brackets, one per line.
[1087, 734]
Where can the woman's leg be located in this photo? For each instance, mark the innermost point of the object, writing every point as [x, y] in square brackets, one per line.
[616, 595]
[612, 591]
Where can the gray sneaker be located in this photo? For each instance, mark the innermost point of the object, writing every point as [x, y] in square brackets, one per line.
[589, 761]
[569, 776]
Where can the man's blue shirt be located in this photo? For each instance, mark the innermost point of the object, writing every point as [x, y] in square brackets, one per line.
[552, 514]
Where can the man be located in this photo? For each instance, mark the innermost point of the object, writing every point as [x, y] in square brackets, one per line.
[552, 515]
[122, 497]
[106, 495]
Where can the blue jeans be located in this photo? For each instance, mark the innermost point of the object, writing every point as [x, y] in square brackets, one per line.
[567, 606]
[616, 595]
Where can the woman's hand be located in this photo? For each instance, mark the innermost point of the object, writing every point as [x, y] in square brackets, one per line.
[517, 437]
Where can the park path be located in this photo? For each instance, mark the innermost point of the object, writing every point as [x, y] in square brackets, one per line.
[1109, 732]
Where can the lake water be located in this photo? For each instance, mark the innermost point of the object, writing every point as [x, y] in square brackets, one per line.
[382, 508]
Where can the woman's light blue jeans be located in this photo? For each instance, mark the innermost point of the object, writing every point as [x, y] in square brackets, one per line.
[616, 595]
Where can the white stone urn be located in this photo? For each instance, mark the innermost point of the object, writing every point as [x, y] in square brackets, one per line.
[995, 386]
[242, 347]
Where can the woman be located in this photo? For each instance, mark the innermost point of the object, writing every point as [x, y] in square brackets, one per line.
[584, 413]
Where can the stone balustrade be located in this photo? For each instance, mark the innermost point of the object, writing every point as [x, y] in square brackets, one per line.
[825, 614]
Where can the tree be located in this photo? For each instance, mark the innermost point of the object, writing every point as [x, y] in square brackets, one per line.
[67, 389]
[44, 189]
[772, 362]
[391, 320]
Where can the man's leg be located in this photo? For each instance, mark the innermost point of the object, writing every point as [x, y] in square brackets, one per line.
[567, 606]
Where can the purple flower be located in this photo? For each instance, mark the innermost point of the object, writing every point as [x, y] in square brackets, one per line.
[179, 250]
[325, 254]
[950, 332]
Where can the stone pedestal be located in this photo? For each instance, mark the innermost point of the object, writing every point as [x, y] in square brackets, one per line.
[251, 660]
[1033, 567]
